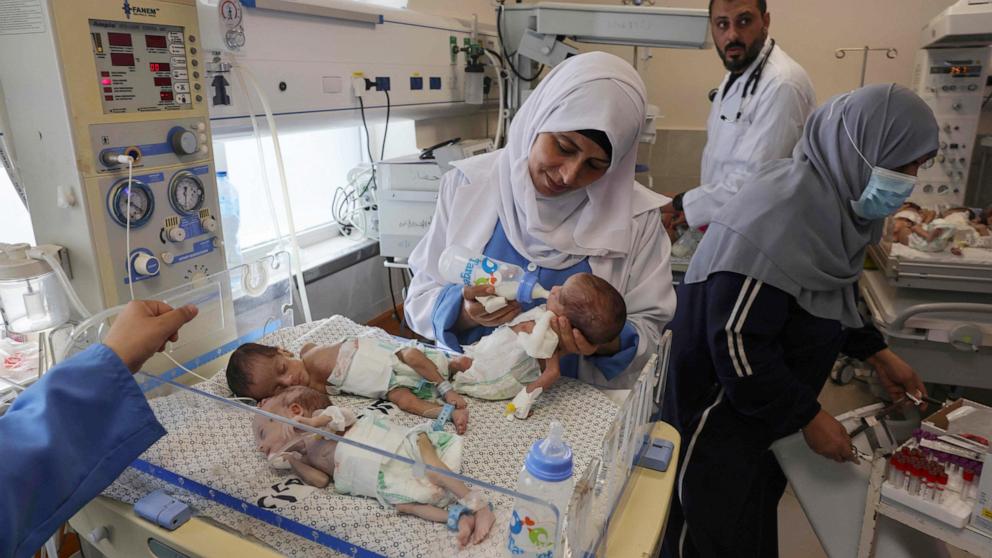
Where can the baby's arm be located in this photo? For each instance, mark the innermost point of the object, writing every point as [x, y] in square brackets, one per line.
[310, 474]
[319, 358]
[550, 374]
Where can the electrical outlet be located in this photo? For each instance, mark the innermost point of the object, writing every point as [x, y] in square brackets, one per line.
[358, 84]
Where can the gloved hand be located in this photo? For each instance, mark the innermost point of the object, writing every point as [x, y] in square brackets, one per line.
[521, 405]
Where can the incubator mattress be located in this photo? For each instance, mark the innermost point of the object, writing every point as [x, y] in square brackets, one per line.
[968, 255]
[215, 447]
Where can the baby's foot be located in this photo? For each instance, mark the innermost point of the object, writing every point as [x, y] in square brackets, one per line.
[460, 418]
[466, 527]
[484, 519]
[455, 399]
[459, 364]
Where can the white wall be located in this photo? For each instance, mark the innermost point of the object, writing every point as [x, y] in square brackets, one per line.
[810, 31]
[361, 292]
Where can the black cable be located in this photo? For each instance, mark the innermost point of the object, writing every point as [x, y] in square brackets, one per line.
[392, 295]
[506, 55]
[385, 132]
[368, 137]
[406, 289]
[494, 53]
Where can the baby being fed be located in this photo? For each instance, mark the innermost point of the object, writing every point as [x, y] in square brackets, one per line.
[409, 374]
[520, 358]
[319, 460]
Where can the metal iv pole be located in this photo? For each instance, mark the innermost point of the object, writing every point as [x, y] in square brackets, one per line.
[890, 53]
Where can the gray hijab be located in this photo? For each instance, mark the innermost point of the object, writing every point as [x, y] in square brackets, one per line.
[792, 225]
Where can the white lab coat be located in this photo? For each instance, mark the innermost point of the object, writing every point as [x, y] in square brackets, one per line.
[770, 125]
[644, 277]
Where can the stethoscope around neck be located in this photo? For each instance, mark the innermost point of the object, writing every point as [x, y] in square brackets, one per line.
[751, 85]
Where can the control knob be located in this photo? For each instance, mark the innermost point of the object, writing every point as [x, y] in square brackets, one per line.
[145, 264]
[183, 141]
[209, 224]
[176, 234]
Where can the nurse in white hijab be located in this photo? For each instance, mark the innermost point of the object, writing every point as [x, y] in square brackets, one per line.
[559, 199]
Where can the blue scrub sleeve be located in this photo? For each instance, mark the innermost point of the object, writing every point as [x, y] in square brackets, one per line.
[446, 311]
[64, 440]
[613, 365]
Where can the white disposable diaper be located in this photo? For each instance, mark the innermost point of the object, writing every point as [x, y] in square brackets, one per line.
[500, 367]
[958, 218]
[362, 473]
[542, 341]
[369, 371]
[356, 471]
[399, 485]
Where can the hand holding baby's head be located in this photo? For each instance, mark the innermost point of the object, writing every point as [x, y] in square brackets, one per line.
[592, 306]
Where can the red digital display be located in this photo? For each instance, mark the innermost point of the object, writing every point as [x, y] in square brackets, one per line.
[121, 59]
[158, 66]
[165, 95]
[119, 39]
[155, 41]
[163, 82]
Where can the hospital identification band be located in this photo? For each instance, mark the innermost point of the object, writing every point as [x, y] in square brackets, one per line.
[442, 417]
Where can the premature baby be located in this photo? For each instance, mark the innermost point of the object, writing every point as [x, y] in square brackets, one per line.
[319, 461]
[520, 358]
[406, 374]
[923, 230]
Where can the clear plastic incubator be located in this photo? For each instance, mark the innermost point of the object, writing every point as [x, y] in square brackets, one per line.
[209, 459]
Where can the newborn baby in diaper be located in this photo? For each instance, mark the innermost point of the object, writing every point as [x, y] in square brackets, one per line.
[915, 227]
[923, 230]
[320, 461]
[407, 374]
[969, 228]
[520, 359]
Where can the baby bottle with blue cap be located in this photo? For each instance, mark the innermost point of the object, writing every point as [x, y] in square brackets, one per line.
[547, 476]
[461, 265]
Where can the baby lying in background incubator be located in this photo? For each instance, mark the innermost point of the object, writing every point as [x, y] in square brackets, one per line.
[520, 358]
[319, 461]
[405, 373]
[923, 230]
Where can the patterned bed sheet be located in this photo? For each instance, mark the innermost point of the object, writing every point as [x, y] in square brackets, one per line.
[968, 255]
[212, 444]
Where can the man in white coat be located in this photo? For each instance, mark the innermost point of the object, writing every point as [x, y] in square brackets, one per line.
[758, 111]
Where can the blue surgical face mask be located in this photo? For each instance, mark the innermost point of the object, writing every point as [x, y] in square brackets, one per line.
[886, 189]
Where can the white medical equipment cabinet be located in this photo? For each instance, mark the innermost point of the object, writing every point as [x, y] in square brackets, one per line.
[407, 194]
[88, 81]
[209, 460]
[935, 308]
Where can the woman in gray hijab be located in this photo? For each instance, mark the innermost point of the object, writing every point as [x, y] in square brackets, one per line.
[760, 316]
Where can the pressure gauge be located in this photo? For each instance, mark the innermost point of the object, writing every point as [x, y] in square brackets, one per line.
[135, 203]
[186, 193]
[230, 12]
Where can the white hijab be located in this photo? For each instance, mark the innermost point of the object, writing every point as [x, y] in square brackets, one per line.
[592, 91]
